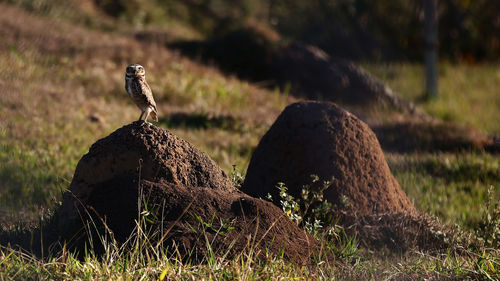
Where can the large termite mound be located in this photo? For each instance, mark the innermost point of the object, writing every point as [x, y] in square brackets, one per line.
[143, 151]
[320, 138]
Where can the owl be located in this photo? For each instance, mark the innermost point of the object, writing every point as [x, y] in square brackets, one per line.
[140, 92]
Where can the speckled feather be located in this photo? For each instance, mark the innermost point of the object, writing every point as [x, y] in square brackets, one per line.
[141, 92]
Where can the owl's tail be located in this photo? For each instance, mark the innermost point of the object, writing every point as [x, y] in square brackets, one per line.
[154, 115]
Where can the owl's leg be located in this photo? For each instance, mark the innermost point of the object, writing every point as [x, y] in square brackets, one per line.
[148, 111]
[140, 117]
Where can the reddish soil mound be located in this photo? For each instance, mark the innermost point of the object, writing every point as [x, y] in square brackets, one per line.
[321, 138]
[146, 152]
[189, 201]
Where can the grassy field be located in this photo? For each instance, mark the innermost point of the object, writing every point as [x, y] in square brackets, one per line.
[54, 103]
[468, 94]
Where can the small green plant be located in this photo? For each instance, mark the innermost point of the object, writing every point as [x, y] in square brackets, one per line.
[311, 210]
[237, 177]
[288, 204]
[314, 213]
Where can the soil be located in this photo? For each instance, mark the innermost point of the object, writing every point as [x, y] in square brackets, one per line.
[323, 139]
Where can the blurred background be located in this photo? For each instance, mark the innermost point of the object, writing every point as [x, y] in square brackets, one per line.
[221, 72]
[350, 29]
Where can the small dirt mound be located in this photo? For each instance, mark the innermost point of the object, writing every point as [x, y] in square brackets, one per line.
[315, 75]
[306, 70]
[323, 139]
[144, 173]
[143, 151]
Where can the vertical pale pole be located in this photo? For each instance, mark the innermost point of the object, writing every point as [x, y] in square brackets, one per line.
[431, 46]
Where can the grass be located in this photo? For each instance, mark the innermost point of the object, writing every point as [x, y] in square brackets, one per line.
[139, 259]
[468, 94]
[450, 186]
[47, 99]
[143, 262]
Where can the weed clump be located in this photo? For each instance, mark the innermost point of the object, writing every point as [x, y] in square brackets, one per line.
[488, 230]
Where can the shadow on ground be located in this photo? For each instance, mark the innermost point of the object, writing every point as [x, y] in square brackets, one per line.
[195, 120]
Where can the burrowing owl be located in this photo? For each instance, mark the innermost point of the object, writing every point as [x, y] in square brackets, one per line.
[140, 92]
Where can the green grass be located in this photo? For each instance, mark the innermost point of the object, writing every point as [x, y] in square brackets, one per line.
[140, 259]
[467, 94]
[451, 186]
[144, 263]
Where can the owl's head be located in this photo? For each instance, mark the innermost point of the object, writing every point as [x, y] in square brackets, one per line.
[135, 70]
